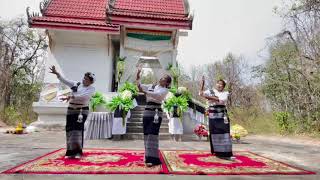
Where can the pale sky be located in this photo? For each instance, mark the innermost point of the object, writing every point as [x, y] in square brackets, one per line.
[219, 27]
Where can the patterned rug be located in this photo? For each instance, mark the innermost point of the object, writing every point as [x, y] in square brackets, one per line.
[94, 161]
[246, 163]
[123, 161]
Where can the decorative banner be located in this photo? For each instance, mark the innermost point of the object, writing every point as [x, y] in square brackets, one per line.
[149, 35]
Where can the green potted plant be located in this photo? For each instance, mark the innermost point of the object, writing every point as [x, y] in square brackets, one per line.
[121, 105]
[97, 102]
[129, 87]
[120, 69]
[176, 105]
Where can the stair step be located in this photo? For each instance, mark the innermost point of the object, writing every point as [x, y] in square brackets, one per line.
[139, 129]
[140, 120]
[136, 115]
[130, 124]
[140, 136]
[139, 108]
[141, 116]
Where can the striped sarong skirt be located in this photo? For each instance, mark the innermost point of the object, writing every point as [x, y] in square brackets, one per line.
[219, 128]
[151, 127]
[75, 129]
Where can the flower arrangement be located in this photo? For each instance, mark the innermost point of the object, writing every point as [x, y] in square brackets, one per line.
[169, 96]
[237, 132]
[127, 86]
[122, 103]
[126, 94]
[176, 101]
[181, 91]
[201, 130]
[179, 103]
[96, 100]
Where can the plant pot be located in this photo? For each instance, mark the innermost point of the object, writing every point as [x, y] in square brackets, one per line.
[175, 126]
[118, 113]
[119, 125]
[175, 112]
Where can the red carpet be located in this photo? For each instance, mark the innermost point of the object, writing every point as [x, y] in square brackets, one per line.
[122, 161]
[246, 163]
[94, 161]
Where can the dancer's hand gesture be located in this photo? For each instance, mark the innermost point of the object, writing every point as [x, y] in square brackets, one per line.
[139, 72]
[202, 83]
[54, 71]
[65, 98]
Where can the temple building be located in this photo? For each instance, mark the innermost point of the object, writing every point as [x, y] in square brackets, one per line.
[90, 35]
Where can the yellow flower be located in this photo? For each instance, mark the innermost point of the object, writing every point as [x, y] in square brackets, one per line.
[238, 131]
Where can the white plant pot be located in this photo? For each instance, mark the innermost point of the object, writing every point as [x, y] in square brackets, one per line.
[175, 126]
[117, 126]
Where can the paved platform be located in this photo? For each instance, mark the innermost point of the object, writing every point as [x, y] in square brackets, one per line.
[16, 149]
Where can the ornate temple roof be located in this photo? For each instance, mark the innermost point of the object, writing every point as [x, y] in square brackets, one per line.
[109, 15]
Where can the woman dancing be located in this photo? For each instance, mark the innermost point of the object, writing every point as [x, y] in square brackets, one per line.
[77, 111]
[219, 124]
[152, 116]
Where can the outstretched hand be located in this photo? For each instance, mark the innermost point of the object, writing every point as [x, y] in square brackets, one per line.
[202, 83]
[54, 71]
[65, 98]
[138, 73]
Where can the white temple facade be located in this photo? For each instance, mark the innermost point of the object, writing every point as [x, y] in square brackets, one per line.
[89, 36]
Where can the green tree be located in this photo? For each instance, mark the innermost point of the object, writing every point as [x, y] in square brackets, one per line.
[21, 56]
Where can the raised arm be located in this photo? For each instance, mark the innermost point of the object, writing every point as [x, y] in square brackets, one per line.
[141, 87]
[201, 92]
[205, 95]
[62, 79]
[67, 82]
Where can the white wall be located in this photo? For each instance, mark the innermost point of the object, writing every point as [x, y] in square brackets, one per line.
[75, 53]
[133, 49]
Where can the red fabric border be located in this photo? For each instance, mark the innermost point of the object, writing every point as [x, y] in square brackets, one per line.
[165, 168]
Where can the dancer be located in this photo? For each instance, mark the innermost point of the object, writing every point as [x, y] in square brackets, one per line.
[152, 116]
[219, 124]
[77, 111]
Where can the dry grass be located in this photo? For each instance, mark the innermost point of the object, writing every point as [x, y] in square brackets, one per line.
[254, 120]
